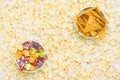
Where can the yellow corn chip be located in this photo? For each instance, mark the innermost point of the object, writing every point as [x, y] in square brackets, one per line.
[100, 13]
[85, 19]
[98, 16]
[78, 24]
[87, 34]
[93, 33]
[85, 11]
[92, 25]
[101, 33]
[91, 22]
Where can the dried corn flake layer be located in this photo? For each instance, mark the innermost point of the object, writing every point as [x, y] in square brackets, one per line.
[51, 22]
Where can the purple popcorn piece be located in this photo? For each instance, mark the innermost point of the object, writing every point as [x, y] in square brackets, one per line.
[36, 45]
[20, 63]
[26, 45]
[40, 63]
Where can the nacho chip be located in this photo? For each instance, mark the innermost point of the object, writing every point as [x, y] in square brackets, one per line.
[87, 34]
[97, 10]
[81, 21]
[93, 33]
[87, 10]
[98, 16]
[79, 26]
[85, 19]
[92, 25]
[91, 22]
[101, 33]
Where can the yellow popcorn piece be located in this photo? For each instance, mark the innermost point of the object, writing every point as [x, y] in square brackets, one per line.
[33, 68]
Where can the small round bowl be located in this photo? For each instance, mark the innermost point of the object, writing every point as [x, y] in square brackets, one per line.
[81, 34]
[38, 48]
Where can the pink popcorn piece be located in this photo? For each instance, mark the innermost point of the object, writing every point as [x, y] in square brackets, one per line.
[40, 49]
[43, 59]
[27, 59]
[26, 46]
[30, 43]
[22, 58]
[35, 63]
[46, 57]
[21, 68]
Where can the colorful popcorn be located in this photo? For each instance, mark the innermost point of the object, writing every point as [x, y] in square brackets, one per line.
[30, 56]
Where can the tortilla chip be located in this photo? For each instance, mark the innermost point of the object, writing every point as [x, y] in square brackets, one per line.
[98, 16]
[91, 22]
[78, 24]
[99, 13]
[92, 25]
[87, 34]
[79, 28]
[85, 11]
[101, 33]
[85, 18]
[93, 33]
[83, 21]
[102, 23]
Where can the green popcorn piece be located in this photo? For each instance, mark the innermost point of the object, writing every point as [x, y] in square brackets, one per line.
[28, 66]
[40, 46]
[42, 54]
[33, 50]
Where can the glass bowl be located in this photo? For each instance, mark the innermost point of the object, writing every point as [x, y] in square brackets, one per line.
[30, 57]
[81, 34]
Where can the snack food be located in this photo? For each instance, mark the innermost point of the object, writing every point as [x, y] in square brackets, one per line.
[91, 22]
[30, 56]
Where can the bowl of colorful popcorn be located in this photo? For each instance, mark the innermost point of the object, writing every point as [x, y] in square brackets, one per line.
[30, 56]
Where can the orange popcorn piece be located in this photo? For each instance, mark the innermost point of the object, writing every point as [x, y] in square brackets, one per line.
[32, 59]
[18, 55]
[26, 53]
[35, 55]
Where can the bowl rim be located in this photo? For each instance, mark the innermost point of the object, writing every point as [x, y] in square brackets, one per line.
[91, 37]
[32, 71]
